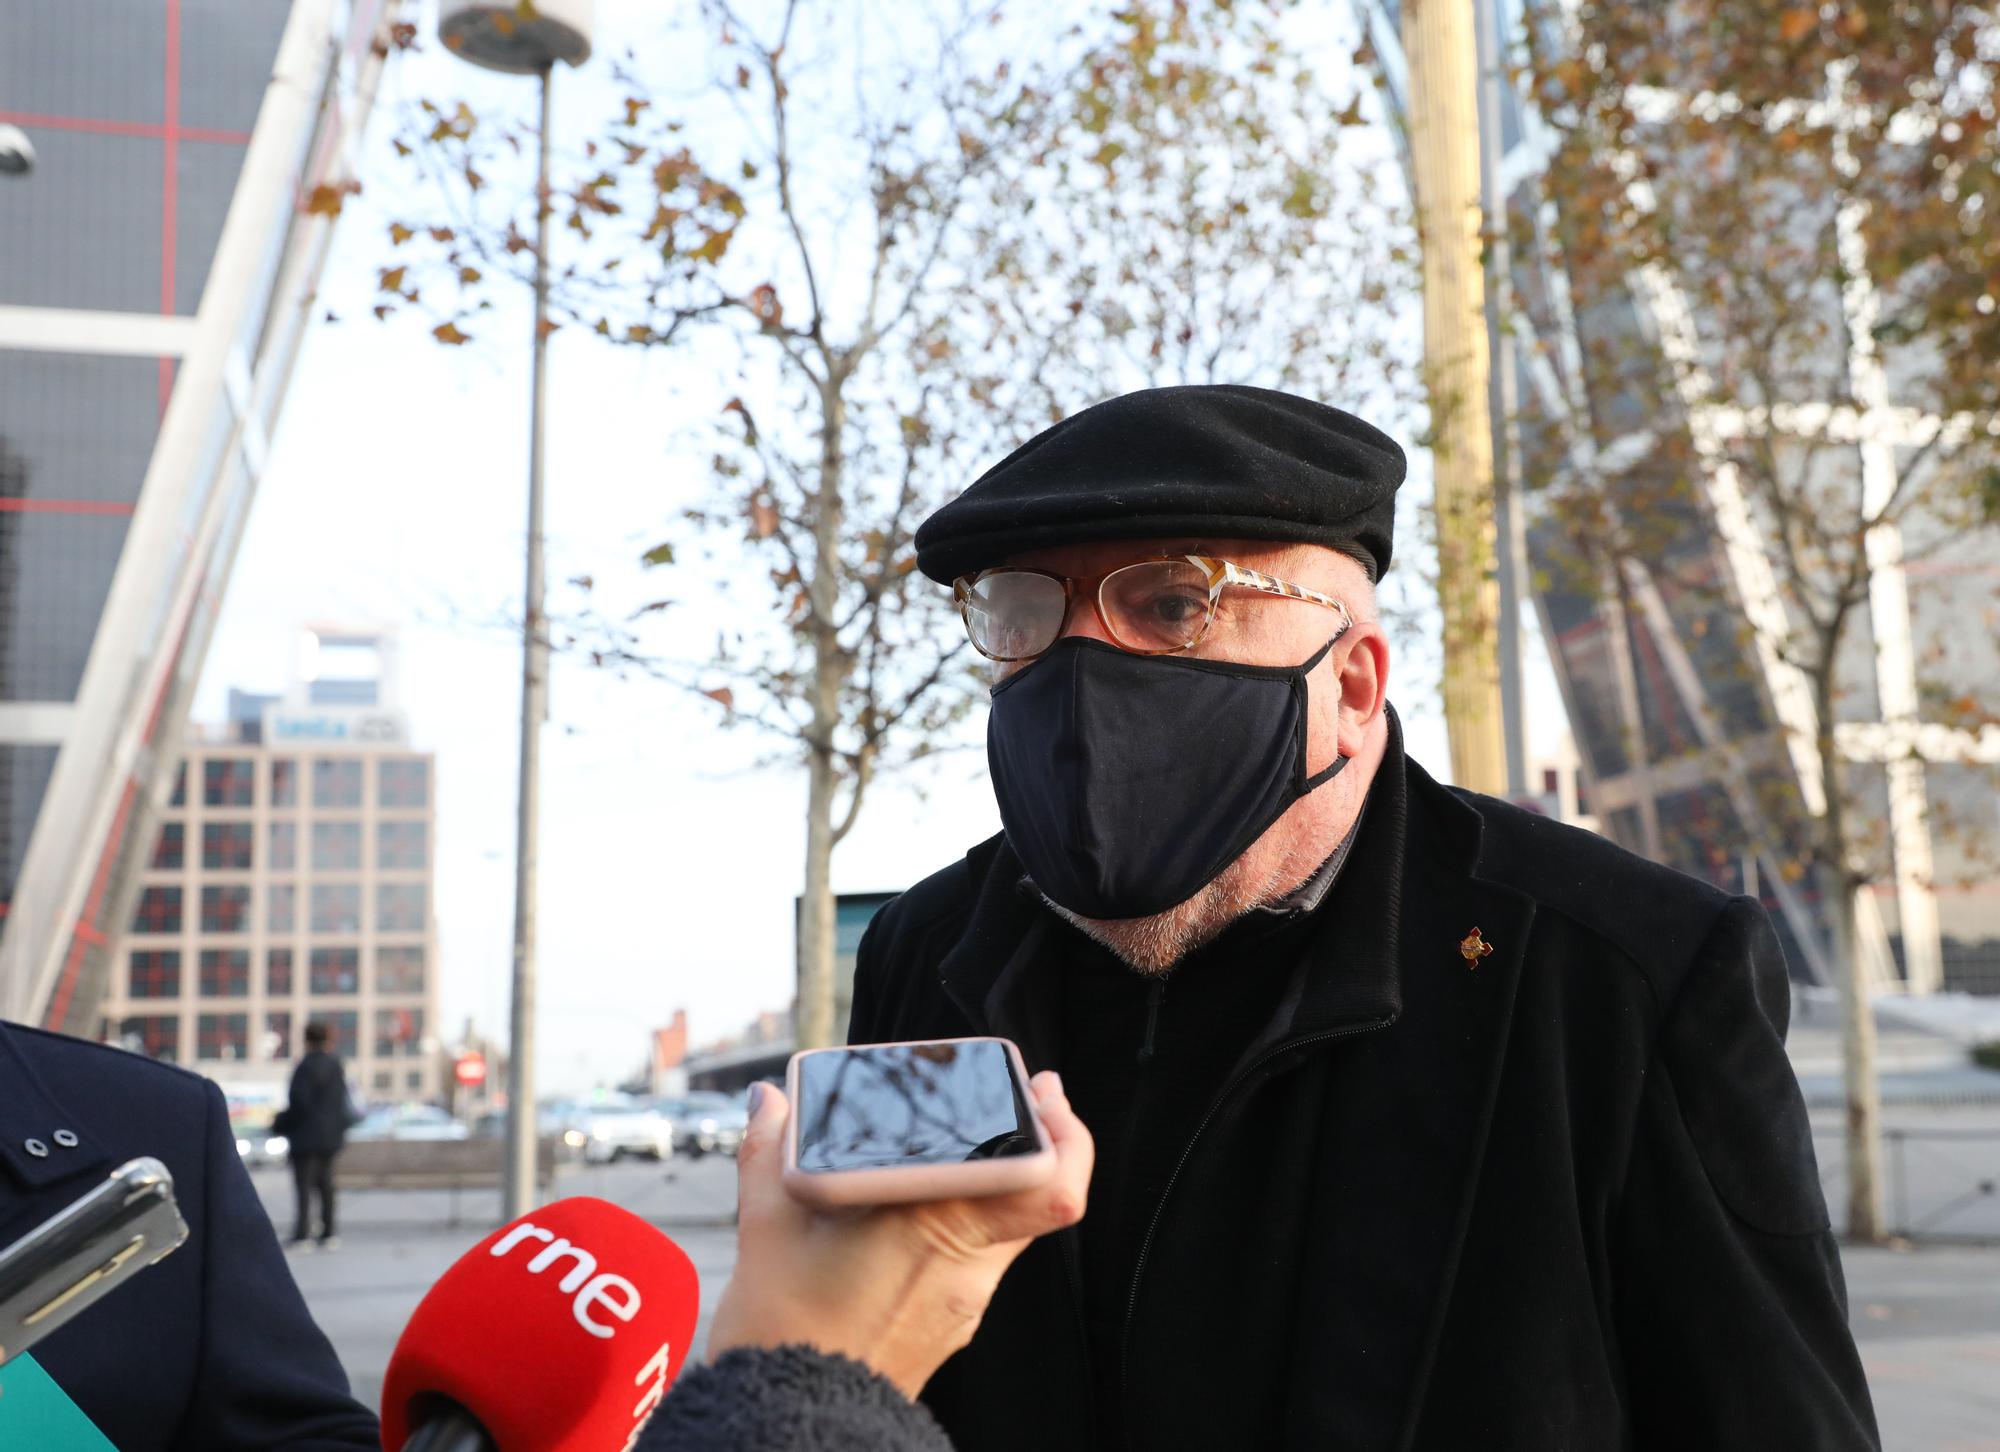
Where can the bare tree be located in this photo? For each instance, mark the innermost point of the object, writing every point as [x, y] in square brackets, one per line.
[1779, 222]
[910, 247]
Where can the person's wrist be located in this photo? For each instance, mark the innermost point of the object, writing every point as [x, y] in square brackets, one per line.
[904, 1336]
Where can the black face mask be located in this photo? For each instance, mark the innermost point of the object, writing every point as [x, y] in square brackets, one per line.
[1127, 783]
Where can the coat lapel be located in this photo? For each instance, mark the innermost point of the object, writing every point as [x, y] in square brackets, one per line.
[42, 1143]
[991, 973]
[1408, 1107]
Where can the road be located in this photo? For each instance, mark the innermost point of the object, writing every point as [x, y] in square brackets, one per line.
[1927, 1320]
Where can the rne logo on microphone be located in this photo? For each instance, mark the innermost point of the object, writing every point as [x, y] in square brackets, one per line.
[653, 1377]
[614, 1293]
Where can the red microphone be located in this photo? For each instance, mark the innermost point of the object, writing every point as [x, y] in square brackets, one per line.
[557, 1333]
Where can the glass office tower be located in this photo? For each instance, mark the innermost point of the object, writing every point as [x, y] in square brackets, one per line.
[1696, 743]
[157, 262]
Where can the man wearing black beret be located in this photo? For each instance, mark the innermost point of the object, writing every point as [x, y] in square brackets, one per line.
[1423, 1122]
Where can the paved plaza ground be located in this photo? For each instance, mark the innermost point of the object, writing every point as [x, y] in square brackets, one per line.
[1927, 1319]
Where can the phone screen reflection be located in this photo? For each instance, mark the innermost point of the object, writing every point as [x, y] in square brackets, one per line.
[911, 1104]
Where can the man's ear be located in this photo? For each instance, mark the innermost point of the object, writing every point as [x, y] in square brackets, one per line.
[1364, 684]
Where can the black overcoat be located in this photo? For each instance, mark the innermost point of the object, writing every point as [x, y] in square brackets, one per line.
[1560, 1198]
[211, 1350]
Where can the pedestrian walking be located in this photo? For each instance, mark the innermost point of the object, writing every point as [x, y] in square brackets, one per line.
[316, 1120]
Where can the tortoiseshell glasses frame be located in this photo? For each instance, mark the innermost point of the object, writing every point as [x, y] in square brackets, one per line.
[1041, 622]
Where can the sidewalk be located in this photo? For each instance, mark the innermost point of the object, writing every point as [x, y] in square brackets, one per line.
[1928, 1325]
[1927, 1320]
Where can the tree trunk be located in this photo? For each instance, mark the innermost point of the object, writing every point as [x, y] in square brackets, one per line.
[1863, 1092]
[1860, 1088]
[813, 1016]
[813, 1010]
[1444, 164]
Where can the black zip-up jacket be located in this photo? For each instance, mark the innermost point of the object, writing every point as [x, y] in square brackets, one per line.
[1560, 1197]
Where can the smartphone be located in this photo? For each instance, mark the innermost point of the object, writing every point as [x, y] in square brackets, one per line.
[882, 1124]
[86, 1250]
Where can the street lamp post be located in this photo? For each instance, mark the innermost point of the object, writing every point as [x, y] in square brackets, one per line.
[526, 38]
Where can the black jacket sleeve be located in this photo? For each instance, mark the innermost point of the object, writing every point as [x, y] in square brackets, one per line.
[1730, 1305]
[788, 1399]
[266, 1376]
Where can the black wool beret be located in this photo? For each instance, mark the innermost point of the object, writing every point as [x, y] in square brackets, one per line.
[1206, 460]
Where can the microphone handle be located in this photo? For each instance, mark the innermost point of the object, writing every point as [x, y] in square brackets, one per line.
[450, 1429]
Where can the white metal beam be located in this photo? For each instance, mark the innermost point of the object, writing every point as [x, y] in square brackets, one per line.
[35, 723]
[79, 330]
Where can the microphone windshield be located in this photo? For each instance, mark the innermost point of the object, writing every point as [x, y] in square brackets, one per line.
[559, 1332]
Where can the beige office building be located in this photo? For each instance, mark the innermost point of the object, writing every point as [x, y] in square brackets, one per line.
[290, 881]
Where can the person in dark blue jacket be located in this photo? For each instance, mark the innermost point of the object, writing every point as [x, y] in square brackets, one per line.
[212, 1349]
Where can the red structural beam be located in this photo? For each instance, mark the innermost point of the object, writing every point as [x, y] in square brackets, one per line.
[64, 506]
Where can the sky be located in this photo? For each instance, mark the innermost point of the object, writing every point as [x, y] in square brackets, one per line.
[396, 497]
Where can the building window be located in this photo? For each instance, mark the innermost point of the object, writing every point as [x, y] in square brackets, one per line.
[231, 783]
[159, 911]
[336, 847]
[284, 847]
[222, 1036]
[398, 1031]
[225, 846]
[278, 1035]
[155, 973]
[180, 793]
[399, 970]
[170, 850]
[384, 1079]
[414, 1079]
[403, 783]
[225, 972]
[225, 909]
[335, 970]
[401, 846]
[344, 1026]
[278, 973]
[157, 1036]
[337, 782]
[284, 782]
[336, 907]
[399, 907]
[281, 908]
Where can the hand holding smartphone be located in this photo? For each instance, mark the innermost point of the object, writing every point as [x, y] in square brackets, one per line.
[898, 1287]
[936, 1119]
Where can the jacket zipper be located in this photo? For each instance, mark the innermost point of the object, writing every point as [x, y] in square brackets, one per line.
[1153, 996]
[1146, 1245]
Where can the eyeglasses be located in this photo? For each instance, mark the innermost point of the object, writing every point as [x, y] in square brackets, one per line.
[1154, 607]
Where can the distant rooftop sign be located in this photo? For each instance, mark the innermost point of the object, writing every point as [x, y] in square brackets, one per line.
[336, 726]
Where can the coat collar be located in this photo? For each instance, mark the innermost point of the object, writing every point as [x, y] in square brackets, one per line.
[996, 972]
[42, 1140]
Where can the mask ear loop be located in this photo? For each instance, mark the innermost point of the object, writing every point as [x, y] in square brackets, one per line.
[1319, 779]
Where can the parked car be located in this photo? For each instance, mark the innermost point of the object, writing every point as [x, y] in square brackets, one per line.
[408, 1122]
[612, 1129]
[252, 1107]
[705, 1122]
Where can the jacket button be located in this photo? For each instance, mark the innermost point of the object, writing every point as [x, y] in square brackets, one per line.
[66, 1138]
[36, 1148]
